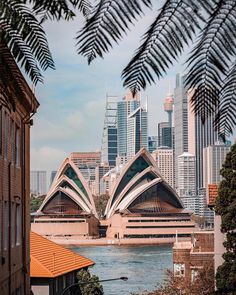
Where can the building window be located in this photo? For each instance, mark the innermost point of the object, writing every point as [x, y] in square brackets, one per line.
[18, 224]
[17, 146]
[179, 269]
[5, 225]
[13, 224]
[6, 134]
[194, 274]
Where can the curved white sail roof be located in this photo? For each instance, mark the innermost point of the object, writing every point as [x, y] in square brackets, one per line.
[140, 177]
[70, 183]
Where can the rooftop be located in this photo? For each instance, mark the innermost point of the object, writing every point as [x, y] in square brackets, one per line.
[50, 260]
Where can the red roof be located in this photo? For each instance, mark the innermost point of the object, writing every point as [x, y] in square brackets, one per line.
[50, 260]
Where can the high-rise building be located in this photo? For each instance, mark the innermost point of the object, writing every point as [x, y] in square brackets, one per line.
[186, 175]
[87, 163]
[124, 108]
[53, 174]
[201, 135]
[152, 143]
[213, 158]
[164, 134]
[180, 121]
[38, 182]
[100, 171]
[137, 131]
[168, 108]
[109, 137]
[164, 158]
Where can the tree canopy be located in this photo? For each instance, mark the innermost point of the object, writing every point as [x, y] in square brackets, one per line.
[226, 208]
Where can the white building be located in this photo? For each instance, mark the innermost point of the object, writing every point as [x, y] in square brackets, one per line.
[38, 182]
[186, 174]
[213, 158]
[164, 158]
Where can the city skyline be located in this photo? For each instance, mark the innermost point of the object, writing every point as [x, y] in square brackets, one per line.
[76, 94]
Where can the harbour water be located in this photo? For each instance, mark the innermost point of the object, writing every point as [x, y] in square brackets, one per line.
[145, 266]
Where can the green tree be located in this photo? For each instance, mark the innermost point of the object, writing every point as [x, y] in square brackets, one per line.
[100, 203]
[226, 208]
[94, 288]
[35, 202]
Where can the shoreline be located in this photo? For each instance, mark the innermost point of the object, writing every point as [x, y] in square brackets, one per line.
[115, 242]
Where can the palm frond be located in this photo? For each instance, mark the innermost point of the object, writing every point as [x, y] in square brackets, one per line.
[173, 28]
[225, 119]
[56, 10]
[25, 38]
[210, 59]
[84, 6]
[108, 23]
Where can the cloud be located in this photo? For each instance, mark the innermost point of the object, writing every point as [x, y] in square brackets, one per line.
[71, 114]
[46, 158]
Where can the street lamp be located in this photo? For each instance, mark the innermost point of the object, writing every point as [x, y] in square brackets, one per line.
[91, 282]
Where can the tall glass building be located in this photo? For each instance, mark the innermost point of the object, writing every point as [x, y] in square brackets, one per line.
[180, 121]
[124, 109]
[137, 131]
[109, 138]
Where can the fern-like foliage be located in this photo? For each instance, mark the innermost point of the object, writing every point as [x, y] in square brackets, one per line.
[173, 28]
[108, 23]
[225, 118]
[211, 58]
[25, 37]
[22, 31]
[63, 9]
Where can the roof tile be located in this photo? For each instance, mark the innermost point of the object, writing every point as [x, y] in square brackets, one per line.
[48, 259]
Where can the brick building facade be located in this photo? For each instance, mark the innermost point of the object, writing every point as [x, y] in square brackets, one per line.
[191, 256]
[17, 105]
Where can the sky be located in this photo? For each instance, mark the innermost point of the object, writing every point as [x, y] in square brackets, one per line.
[72, 98]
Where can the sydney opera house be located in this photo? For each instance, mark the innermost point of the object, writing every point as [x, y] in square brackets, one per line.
[68, 209]
[142, 205]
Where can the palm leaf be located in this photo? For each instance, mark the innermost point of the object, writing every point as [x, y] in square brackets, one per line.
[173, 28]
[225, 119]
[57, 10]
[25, 38]
[108, 23]
[210, 59]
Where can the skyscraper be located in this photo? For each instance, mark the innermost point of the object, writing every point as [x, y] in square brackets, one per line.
[124, 108]
[180, 121]
[200, 136]
[152, 143]
[164, 158]
[137, 131]
[213, 158]
[186, 174]
[109, 137]
[164, 134]
[38, 182]
[87, 163]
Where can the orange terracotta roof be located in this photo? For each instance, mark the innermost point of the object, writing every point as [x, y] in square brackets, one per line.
[50, 260]
[212, 194]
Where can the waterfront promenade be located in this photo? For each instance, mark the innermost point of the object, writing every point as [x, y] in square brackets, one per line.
[108, 241]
